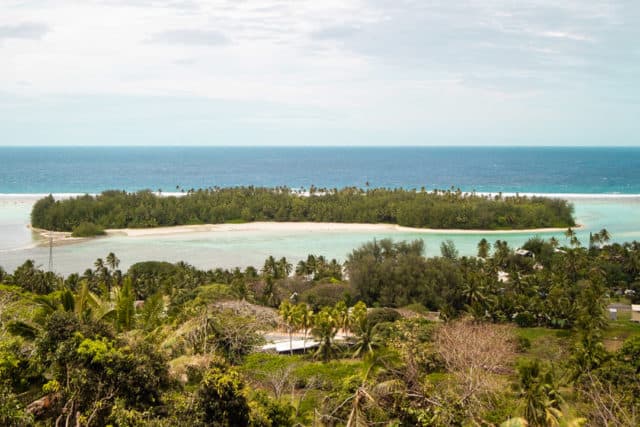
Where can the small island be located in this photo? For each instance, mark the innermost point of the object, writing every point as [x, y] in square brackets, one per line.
[438, 209]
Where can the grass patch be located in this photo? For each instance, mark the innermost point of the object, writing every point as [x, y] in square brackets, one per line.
[235, 221]
[622, 330]
[533, 334]
[546, 344]
[259, 365]
[326, 376]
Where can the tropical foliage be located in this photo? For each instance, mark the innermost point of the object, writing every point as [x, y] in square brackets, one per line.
[390, 338]
[87, 214]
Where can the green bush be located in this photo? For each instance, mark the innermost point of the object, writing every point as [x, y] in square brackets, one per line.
[326, 294]
[379, 315]
[87, 229]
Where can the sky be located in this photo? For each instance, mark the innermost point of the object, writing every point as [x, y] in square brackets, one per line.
[320, 72]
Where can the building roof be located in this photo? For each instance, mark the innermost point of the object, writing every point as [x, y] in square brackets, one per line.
[524, 252]
[296, 345]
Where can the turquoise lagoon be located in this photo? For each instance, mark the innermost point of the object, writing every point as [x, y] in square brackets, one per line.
[617, 213]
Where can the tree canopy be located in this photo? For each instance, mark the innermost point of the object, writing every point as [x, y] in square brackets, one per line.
[438, 209]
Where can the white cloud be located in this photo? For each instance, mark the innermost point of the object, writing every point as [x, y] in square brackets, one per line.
[23, 30]
[376, 64]
[190, 37]
[565, 35]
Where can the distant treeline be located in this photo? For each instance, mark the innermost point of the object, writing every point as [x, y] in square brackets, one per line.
[413, 208]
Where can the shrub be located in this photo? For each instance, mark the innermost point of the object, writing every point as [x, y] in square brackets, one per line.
[326, 294]
[379, 315]
[87, 229]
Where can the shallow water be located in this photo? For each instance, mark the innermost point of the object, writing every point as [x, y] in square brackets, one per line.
[619, 215]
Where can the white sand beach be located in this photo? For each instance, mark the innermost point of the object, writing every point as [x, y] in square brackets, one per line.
[62, 238]
[310, 227]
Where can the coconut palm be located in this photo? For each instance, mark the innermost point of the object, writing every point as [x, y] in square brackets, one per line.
[325, 328]
[483, 248]
[343, 317]
[305, 318]
[367, 340]
[289, 316]
[112, 261]
[85, 304]
[311, 264]
[575, 242]
[569, 234]
[301, 268]
[270, 267]
[539, 392]
[371, 391]
[501, 252]
[284, 268]
[474, 290]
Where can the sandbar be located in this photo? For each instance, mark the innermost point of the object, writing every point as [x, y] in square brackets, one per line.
[59, 238]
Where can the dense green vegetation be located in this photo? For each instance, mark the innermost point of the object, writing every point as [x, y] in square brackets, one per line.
[87, 229]
[167, 344]
[437, 209]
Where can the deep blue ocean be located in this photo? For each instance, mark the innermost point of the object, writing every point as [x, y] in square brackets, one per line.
[484, 169]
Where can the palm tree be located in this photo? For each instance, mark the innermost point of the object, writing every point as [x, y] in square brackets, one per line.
[367, 340]
[112, 261]
[540, 395]
[575, 242]
[301, 268]
[501, 252]
[125, 311]
[289, 315]
[343, 316]
[473, 290]
[569, 233]
[284, 268]
[311, 264]
[325, 329]
[604, 235]
[483, 248]
[305, 318]
[270, 267]
[99, 264]
[371, 391]
[102, 272]
[335, 269]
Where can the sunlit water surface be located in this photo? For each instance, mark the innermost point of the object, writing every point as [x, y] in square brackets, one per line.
[619, 215]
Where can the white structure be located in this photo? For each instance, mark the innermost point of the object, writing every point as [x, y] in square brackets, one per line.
[524, 252]
[503, 277]
[635, 313]
[287, 347]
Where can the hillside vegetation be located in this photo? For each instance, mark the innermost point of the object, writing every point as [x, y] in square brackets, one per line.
[166, 344]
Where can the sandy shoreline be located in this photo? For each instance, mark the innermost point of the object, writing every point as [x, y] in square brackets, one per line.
[310, 227]
[61, 238]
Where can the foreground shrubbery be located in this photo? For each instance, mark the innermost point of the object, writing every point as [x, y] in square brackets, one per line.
[438, 209]
[167, 344]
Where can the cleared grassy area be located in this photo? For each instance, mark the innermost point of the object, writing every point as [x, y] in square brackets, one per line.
[619, 331]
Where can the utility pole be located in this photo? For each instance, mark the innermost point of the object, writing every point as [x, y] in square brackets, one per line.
[50, 251]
